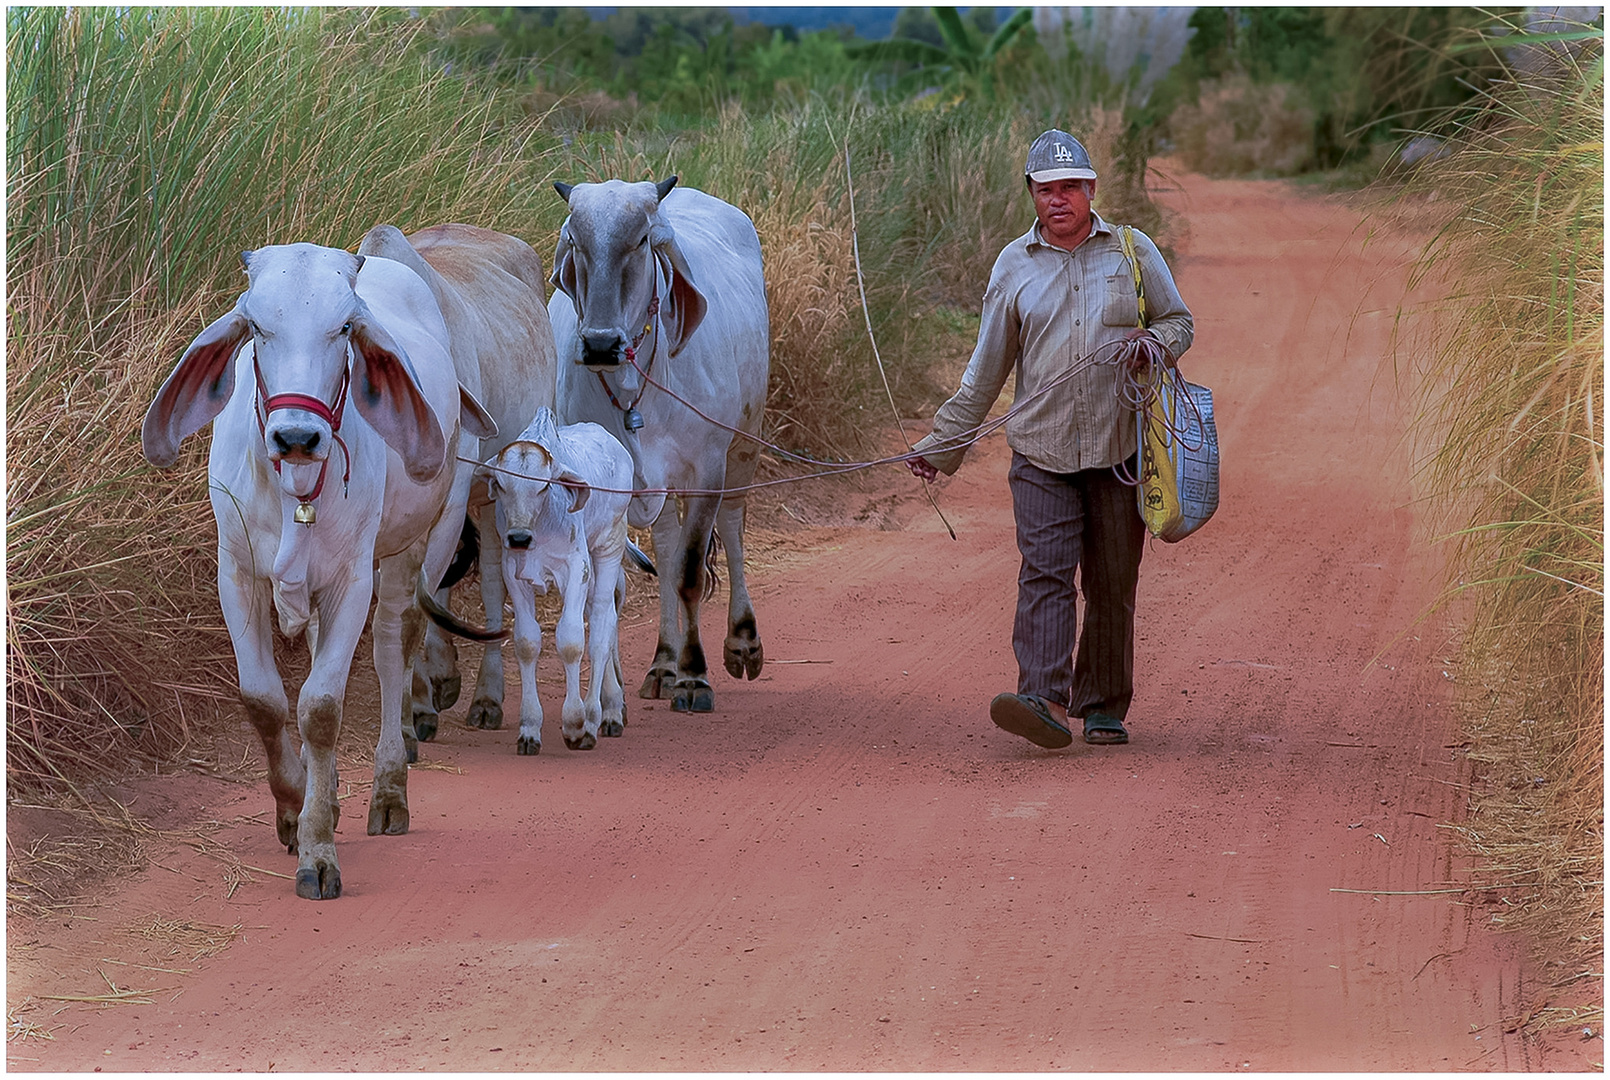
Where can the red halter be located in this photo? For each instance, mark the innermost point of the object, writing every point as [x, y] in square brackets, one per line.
[630, 411]
[329, 414]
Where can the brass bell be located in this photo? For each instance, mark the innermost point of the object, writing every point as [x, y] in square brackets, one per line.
[306, 514]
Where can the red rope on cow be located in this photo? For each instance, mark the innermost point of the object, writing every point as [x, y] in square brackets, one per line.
[328, 413]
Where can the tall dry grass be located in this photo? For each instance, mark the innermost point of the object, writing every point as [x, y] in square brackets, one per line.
[1512, 414]
[146, 148]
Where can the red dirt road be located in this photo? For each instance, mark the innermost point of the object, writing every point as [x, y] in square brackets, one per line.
[848, 867]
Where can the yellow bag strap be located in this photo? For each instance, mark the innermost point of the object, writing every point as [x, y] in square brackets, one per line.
[1126, 236]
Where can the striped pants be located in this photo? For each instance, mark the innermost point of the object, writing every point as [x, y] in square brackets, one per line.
[1086, 522]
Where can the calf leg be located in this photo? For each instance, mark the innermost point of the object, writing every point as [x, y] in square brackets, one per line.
[611, 696]
[486, 710]
[570, 638]
[742, 653]
[527, 647]
[249, 614]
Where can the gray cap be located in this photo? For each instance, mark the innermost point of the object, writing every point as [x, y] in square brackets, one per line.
[1056, 155]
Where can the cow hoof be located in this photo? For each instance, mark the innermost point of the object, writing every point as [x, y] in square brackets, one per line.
[285, 826]
[743, 657]
[612, 729]
[424, 726]
[527, 746]
[387, 818]
[585, 741]
[693, 698]
[321, 882]
[485, 714]
[657, 684]
[444, 694]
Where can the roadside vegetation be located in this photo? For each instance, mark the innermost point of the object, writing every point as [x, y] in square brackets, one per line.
[146, 147]
[1510, 379]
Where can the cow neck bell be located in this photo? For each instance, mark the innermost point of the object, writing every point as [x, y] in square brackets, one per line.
[305, 514]
[633, 419]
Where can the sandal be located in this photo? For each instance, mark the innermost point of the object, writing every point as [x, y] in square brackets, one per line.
[1026, 716]
[1104, 730]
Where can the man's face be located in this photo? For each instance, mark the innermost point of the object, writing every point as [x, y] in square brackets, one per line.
[1063, 207]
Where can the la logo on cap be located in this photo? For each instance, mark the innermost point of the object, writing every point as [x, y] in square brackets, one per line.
[1062, 154]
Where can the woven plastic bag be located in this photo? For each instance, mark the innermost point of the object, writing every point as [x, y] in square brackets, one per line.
[1179, 456]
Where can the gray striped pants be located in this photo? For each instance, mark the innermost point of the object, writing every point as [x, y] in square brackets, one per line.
[1087, 522]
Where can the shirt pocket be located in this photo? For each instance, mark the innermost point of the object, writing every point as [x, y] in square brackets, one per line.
[1121, 308]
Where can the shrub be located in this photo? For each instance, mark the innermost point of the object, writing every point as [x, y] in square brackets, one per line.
[1237, 127]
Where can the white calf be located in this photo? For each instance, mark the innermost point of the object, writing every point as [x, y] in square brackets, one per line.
[575, 536]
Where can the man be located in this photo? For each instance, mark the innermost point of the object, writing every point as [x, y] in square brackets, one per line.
[1061, 309]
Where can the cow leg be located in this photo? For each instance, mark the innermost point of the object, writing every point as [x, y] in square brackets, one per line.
[436, 681]
[742, 652]
[398, 624]
[693, 693]
[611, 696]
[249, 615]
[425, 683]
[342, 612]
[439, 668]
[486, 710]
[570, 639]
[527, 648]
[660, 681]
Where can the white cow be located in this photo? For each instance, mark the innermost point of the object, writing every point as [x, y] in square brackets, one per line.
[491, 290]
[665, 287]
[310, 495]
[572, 533]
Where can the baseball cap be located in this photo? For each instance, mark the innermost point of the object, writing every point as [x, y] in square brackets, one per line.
[1056, 155]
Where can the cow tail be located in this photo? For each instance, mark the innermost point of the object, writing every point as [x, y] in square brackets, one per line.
[712, 576]
[447, 620]
[468, 554]
[640, 560]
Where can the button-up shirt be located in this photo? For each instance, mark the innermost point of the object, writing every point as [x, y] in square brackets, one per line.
[1046, 312]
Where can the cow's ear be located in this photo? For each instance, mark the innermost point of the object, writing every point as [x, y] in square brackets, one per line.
[472, 417]
[688, 304]
[387, 394]
[564, 265]
[579, 490]
[199, 387]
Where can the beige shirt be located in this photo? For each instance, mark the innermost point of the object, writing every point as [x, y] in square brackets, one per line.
[1045, 311]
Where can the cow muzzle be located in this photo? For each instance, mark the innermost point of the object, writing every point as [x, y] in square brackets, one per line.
[298, 443]
[602, 349]
[518, 539]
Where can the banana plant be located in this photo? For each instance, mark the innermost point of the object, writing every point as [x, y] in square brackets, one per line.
[961, 58]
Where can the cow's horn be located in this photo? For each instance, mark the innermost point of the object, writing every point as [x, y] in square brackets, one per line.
[563, 189]
[663, 188]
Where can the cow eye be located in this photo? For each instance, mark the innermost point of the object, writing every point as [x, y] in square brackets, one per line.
[346, 328]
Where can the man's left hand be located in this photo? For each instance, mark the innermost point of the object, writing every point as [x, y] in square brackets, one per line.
[1138, 362]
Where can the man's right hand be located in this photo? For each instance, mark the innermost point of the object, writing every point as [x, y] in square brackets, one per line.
[921, 469]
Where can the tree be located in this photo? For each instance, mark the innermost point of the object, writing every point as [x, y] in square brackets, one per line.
[960, 58]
